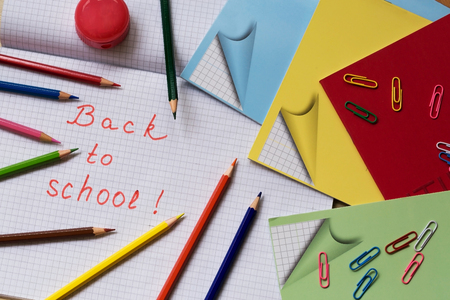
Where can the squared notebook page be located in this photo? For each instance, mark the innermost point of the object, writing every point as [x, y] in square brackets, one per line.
[48, 26]
[186, 165]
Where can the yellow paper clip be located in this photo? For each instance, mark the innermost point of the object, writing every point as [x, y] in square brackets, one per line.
[359, 79]
[436, 96]
[399, 99]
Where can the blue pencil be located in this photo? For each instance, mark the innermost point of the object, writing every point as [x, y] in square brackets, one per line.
[35, 91]
[232, 251]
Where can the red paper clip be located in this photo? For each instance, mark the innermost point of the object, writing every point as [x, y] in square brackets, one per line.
[400, 239]
[437, 96]
[417, 265]
[327, 271]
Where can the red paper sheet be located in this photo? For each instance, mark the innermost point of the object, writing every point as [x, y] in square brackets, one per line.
[400, 148]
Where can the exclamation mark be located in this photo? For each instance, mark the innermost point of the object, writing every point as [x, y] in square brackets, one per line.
[157, 202]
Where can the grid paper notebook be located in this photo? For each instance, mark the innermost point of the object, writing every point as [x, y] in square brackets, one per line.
[186, 165]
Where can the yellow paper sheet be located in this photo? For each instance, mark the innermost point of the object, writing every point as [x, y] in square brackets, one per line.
[340, 33]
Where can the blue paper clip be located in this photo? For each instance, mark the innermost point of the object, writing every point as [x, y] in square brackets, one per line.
[437, 95]
[366, 115]
[445, 149]
[367, 286]
[443, 159]
[369, 258]
[427, 229]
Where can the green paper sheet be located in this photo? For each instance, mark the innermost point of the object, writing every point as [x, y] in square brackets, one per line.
[345, 233]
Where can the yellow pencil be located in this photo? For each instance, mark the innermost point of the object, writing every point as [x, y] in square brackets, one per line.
[116, 257]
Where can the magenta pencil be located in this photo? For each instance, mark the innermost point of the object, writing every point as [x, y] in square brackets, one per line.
[26, 131]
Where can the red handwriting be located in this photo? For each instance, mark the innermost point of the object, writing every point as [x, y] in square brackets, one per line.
[103, 196]
[105, 160]
[85, 117]
[436, 185]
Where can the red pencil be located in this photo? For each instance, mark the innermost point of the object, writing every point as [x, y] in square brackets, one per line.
[35, 66]
[201, 223]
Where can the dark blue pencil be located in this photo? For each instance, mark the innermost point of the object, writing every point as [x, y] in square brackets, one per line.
[35, 91]
[232, 251]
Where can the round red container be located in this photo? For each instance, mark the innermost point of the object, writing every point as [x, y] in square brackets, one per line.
[102, 24]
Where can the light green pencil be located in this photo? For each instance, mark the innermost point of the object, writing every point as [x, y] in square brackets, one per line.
[35, 161]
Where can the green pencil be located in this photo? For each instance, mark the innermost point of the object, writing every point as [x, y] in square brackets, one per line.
[35, 161]
[170, 61]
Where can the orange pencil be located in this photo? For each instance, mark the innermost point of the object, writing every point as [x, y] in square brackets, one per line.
[192, 241]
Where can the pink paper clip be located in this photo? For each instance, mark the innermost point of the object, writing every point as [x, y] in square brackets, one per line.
[437, 96]
[417, 265]
[327, 268]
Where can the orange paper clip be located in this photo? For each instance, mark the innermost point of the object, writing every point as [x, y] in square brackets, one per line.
[327, 271]
[408, 268]
[359, 80]
[400, 239]
[436, 100]
[397, 100]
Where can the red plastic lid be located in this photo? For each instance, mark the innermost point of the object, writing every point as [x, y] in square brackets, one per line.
[102, 23]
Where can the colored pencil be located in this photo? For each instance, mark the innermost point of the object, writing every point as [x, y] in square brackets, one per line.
[115, 258]
[6, 297]
[26, 131]
[35, 91]
[195, 235]
[169, 57]
[35, 161]
[60, 233]
[70, 74]
[233, 250]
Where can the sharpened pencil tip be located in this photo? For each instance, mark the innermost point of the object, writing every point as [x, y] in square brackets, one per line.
[73, 150]
[175, 115]
[259, 195]
[179, 216]
[55, 141]
[73, 97]
[234, 162]
[116, 84]
[108, 229]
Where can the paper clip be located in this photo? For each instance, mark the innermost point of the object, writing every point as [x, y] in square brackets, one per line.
[369, 258]
[327, 271]
[443, 159]
[436, 96]
[366, 115]
[427, 229]
[400, 239]
[367, 286]
[447, 145]
[360, 78]
[417, 265]
[399, 99]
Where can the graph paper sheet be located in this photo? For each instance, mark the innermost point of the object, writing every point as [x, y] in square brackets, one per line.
[257, 39]
[48, 26]
[179, 161]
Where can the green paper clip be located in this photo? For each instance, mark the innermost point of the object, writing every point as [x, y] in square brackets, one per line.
[366, 115]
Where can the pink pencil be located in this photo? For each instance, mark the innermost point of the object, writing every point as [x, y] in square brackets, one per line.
[26, 131]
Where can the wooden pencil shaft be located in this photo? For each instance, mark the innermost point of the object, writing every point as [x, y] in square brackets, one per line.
[35, 66]
[21, 129]
[29, 90]
[46, 234]
[168, 51]
[33, 162]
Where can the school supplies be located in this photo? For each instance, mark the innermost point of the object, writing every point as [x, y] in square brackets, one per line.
[26, 131]
[323, 277]
[356, 264]
[302, 137]
[61, 233]
[59, 154]
[116, 257]
[245, 54]
[397, 99]
[404, 59]
[394, 245]
[169, 57]
[233, 250]
[193, 238]
[416, 265]
[430, 232]
[372, 274]
[35, 91]
[53, 70]
[346, 232]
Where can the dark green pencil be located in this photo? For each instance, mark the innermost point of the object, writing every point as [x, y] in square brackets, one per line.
[170, 61]
[35, 161]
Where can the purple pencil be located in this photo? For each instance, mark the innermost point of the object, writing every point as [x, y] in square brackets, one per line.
[26, 131]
